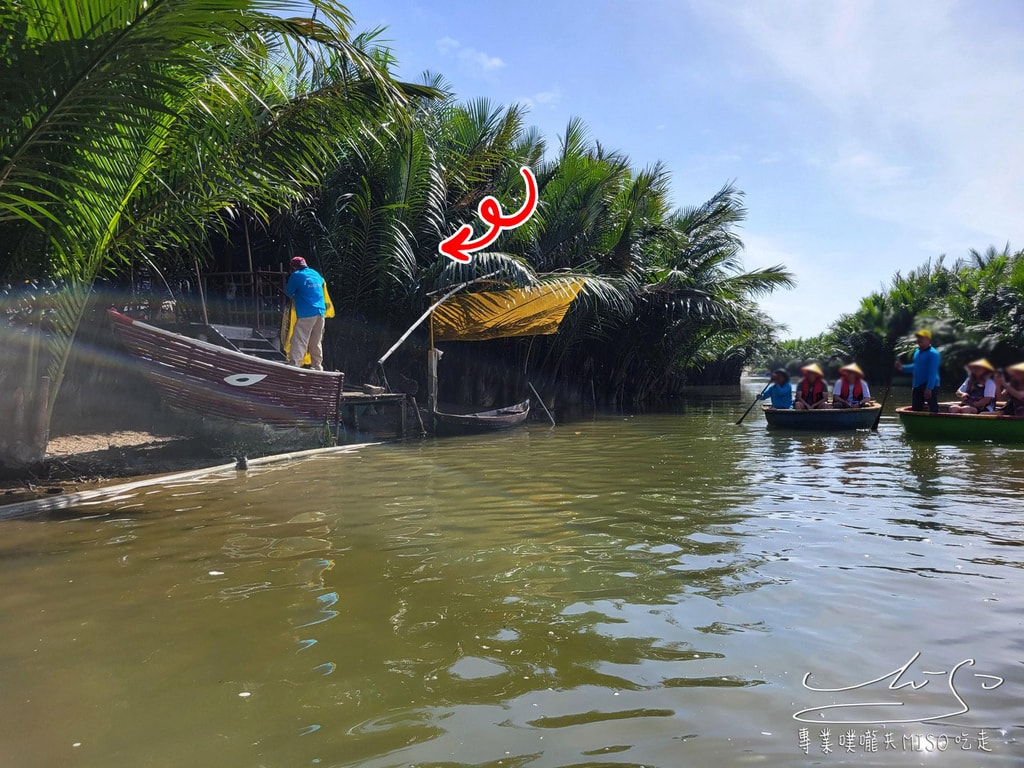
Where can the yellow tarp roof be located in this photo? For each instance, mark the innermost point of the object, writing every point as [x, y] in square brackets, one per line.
[500, 314]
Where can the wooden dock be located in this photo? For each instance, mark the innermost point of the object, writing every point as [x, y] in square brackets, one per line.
[355, 404]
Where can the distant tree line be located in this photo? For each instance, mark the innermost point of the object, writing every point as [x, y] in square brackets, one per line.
[973, 306]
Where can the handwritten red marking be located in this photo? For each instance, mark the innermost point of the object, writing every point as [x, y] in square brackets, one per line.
[459, 246]
[490, 209]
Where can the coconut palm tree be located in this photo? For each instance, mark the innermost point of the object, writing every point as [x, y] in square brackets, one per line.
[662, 290]
[135, 127]
[973, 307]
[693, 295]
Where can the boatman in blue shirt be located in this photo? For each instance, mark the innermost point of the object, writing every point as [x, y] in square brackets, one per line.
[305, 287]
[926, 373]
[780, 390]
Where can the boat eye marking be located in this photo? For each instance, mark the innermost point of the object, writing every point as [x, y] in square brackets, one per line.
[244, 379]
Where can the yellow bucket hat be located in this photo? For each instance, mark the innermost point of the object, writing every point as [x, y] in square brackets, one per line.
[813, 368]
[981, 362]
[923, 333]
[853, 368]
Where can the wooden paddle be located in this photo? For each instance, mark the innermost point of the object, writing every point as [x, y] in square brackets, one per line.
[756, 399]
[885, 397]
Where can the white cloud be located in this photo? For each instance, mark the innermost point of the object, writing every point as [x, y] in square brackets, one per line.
[909, 113]
[816, 301]
[868, 170]
[917, 105]
[470, 58]
[448, 44]
[541, 99]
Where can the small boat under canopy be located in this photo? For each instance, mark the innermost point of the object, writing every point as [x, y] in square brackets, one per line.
[532, 311]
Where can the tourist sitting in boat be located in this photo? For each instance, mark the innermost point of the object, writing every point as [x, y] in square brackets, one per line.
[813, 390]
[851, 391]
[780, 390]
[978, 392]
[1011, 389]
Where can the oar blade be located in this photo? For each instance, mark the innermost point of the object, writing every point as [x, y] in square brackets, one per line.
[747, 412]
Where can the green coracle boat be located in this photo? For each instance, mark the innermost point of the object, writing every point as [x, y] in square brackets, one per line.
[822, 420]
[958, 427]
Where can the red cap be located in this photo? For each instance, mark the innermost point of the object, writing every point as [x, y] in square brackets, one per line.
[298, 263]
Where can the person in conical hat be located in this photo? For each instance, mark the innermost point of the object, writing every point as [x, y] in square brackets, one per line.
[850, 391]
[1011, 388]
[978, 392]
[813, 390]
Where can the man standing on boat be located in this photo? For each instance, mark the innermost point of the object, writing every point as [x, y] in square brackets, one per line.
[925, 368]
[305, 287]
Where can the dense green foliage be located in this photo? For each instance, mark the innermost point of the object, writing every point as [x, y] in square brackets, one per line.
[135, 131]
[132, 129]
[665, 298]
[791, 354]
[973, 307]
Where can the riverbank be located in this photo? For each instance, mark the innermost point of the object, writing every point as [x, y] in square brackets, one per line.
[80, 462]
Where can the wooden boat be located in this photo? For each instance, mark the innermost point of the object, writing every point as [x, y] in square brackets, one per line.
[822, 420]
[479, 317]
[483, 421]
[211, 384]
[962, 427]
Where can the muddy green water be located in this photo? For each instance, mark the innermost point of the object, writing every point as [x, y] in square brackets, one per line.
[645, 590]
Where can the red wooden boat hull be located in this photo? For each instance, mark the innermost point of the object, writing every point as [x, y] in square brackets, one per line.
[203, 380]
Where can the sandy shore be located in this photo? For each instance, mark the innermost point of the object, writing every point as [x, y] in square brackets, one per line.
[81, 462]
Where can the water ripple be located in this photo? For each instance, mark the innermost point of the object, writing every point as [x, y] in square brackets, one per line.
[632, 591]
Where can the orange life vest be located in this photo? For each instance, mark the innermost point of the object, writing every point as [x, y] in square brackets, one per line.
[858, 391]
[812, 396]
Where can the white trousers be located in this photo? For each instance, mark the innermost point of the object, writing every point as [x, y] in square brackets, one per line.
[308, 336]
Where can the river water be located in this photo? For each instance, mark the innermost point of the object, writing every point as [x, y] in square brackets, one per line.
[647, 590]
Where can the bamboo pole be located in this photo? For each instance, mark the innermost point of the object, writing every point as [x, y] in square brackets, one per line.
[541, 401]
[419, 418]
[885, 397]
[428, 313]
[252, 276]
[42, 426]
[202, 293]
[433, 356]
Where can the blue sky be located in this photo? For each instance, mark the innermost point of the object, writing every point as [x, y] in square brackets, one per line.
[868, 135]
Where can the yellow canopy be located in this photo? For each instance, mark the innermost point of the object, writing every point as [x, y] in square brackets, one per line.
[500, 314]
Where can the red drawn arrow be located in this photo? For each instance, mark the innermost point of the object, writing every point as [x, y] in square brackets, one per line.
[459, 246]
[490, 209]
